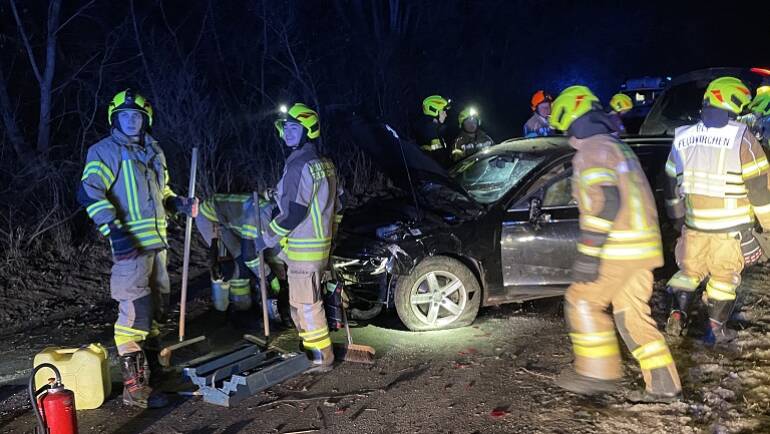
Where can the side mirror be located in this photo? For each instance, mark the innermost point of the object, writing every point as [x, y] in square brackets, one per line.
[535, 209]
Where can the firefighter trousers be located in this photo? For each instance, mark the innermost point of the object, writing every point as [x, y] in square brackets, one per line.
[307, 310]
[141, 287]
[716, 256]
[592, 329]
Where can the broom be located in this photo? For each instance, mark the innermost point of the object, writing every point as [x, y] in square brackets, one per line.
[164, 357]
[350, 352]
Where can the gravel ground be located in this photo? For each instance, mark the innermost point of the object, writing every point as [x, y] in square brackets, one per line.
[493, 377]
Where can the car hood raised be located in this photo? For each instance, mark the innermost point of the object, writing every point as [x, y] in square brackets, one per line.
[411, 170]
[680, 102]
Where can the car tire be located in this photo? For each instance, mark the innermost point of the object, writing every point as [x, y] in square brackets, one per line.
[440, 293]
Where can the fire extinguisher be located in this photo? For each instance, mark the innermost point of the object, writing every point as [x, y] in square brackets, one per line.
[54, 406]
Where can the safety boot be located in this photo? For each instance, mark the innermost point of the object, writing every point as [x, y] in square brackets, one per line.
[645, 397]
[676, 325]
[322, 361]
[136, 378]
[717, 332]
[580, 384]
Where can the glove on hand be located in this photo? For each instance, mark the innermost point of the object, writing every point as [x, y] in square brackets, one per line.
[184, 205]
[122, 246]
[585, 269]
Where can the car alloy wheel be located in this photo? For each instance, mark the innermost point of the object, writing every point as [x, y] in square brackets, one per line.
[438, 298]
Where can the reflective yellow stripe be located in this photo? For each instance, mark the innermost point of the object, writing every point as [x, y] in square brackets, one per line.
[314, 334]
[717, 224]
[656, 362]
[628, 251]
[278, 229]
[307, 256]
[124, 335]
[240, 287]
[595, 345]
[315, 214]
[130, 185]
[95, 207]
[673, 202]
[207, 209]
[254, 263]
[101, 170]
[708, 213]
[720, 291]
[650, 349]
[594, 222]
[318, 344]
[435, 144]
[761, 210]
[755, 167]
[643, 235]
[682, 281]
[104, 229]
[598, 175]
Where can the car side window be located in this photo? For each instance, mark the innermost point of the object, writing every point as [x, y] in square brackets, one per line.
[559, 193]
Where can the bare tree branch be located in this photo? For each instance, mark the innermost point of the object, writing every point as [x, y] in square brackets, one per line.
[141, 52]
[27, 45]
[75, 15]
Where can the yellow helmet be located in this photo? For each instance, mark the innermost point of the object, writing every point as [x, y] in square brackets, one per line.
[434, 104]
[129, 100]
[620, 102]
[761, 104]
[727, 93]
[304, 115]
[572, 102]
[469, 112]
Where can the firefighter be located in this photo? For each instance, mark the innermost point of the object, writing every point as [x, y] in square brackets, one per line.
[620, 104]
[230, 226]
[472, 138]
[432, 128]
[618, 247]
[717, 185]
[309, 199]
[758, 119]
[125, 190]
[538, 125]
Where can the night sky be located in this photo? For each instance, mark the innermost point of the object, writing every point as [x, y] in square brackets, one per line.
[385, 56]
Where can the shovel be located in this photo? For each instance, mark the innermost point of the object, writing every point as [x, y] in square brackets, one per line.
[165, 355]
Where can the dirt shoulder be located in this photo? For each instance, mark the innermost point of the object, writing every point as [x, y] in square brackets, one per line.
[495, 376]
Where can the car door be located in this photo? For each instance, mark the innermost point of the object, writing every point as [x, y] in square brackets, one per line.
[539, 233]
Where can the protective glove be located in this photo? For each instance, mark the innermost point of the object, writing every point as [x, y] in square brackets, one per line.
[122, 246]
[585, 269]
[750, 248]
[184, 205]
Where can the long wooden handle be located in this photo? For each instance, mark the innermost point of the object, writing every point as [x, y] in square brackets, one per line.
[187, 242]
[262, 265]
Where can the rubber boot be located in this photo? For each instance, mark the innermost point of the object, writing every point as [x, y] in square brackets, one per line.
[570, 380]
[136, 378]
[676, 325]
[717, 332]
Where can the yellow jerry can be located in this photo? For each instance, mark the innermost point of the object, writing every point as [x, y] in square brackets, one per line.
[84, 370]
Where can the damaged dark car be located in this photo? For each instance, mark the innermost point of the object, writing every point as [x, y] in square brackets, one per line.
[499, 227]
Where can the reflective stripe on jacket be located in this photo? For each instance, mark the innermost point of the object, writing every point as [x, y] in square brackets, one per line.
[126, 184]
[717, 178]
[469, 143]
[236, 212]
[308, 186]
[634, 235]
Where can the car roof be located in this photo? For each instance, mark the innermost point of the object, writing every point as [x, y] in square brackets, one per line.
[560, 144]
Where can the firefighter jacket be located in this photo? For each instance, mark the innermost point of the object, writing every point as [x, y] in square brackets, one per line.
[760, 126]
[469, 143]
[236, 212]
[310, 202]
[631, 229]
[537, 126]
[717, 178]
[126, 184]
